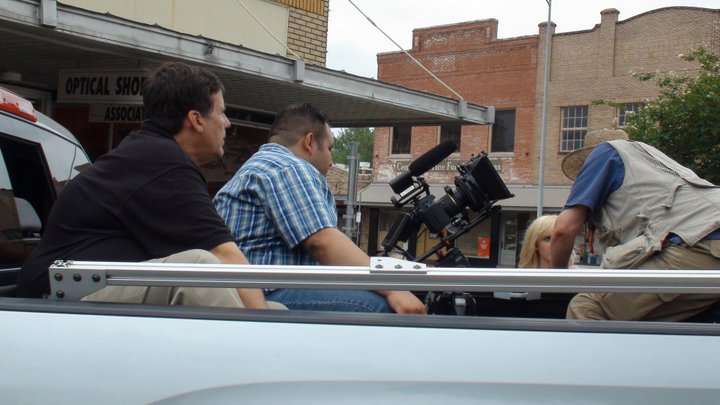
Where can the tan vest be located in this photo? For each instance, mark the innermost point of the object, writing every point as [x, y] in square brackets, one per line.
[658, 196]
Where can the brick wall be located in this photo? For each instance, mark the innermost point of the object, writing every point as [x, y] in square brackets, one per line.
[598, 64]
[337, 179]
[484, 70]
[307, 34]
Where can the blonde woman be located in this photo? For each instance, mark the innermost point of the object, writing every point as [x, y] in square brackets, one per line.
[535, 251]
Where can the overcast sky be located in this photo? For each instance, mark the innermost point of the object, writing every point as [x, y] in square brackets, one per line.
[353, 42]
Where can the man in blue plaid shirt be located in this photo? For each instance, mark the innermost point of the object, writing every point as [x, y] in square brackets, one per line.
[281, 211]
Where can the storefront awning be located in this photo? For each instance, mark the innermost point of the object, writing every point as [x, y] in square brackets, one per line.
[40, 42]
[378, 195]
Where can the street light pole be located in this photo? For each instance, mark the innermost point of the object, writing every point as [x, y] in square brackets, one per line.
[543, 130]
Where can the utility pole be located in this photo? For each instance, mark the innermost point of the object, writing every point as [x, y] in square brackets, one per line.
[352, 180]
[543, 130]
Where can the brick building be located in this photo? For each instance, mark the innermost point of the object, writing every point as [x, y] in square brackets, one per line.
[508, 73]
[599, 64]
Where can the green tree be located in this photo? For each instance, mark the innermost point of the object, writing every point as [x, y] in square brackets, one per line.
[684, 120]
[363, 136]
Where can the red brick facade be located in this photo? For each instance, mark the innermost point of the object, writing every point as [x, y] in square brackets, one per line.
[508, 74]
[484, 70]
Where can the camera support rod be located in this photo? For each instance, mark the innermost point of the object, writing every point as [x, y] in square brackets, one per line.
[74, 280]
[483, 216]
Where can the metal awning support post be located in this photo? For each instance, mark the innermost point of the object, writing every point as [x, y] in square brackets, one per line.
[74, 280]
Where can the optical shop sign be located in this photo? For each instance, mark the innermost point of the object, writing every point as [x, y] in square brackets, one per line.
[113, 95]
[101, 86]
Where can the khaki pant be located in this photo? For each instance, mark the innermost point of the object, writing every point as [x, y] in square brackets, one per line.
[191, 296]
[654, 307]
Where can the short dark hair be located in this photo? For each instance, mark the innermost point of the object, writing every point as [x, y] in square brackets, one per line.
[295, 121]
[174, 89]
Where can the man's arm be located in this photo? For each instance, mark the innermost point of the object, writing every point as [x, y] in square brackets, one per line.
[329, 246]
[567, 226]
[229, 253]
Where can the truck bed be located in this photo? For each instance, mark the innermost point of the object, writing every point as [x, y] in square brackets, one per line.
[81, 352]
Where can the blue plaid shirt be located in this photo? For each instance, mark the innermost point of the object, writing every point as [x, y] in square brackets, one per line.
[273, 203]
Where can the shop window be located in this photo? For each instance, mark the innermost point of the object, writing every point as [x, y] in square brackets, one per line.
[401, 140]
[476, 242]
[503, 131]
[386, 220]
[573, 128]
[451, 132]
[241, 142]
[626, 110]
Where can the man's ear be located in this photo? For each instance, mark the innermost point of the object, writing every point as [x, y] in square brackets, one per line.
[195, 120]
[307, 142]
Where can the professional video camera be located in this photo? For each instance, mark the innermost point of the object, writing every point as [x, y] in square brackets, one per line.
[477, 187]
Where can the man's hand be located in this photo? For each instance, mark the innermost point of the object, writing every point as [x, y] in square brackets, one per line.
[404, 302]
[228, 252]
[331, 247]
[253, 298]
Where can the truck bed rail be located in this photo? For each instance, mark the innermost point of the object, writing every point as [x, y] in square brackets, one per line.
[72, 280]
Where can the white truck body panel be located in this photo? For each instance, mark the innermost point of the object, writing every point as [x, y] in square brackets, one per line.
[76, 358]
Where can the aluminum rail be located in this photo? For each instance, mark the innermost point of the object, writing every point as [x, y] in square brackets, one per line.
[72, 280]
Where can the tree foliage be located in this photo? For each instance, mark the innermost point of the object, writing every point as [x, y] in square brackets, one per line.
[363, 136]
[684, 120]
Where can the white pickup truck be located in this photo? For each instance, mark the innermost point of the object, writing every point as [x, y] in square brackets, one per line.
[71, 352]
[64, 351]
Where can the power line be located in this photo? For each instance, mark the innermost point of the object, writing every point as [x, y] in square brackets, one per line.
[406, 52]
[267, 29]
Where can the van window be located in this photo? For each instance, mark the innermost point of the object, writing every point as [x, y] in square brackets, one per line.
[65, 161]
[29, 177]
[25, 199]
[4, 175]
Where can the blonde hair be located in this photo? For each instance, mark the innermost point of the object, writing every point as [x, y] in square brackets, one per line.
[538, 229]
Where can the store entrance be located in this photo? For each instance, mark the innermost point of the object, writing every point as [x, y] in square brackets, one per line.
[508, 239]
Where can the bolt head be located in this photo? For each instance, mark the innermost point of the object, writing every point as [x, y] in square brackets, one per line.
[77, 277]
[96, 278]
[60, 294]
[58, 276]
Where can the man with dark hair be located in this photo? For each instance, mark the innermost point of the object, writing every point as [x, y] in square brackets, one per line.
[281, 211]
[650, 212]
[147, 200]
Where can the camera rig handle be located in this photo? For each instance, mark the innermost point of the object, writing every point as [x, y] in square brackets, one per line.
[412, 194]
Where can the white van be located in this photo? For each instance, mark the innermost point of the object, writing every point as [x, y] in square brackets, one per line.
[38, 157]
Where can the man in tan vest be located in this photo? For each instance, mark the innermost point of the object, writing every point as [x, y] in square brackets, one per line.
[649, 212]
